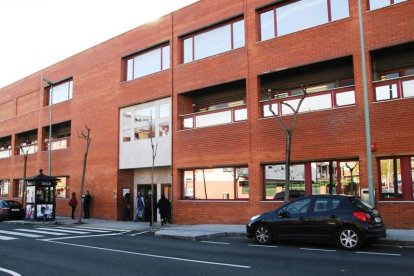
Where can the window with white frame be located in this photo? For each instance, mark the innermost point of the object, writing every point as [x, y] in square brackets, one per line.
[18, 187]
[377, 4]
[60, 92]
[294, 16]
[145, 121]
[4, 187]
[214, 41]
[148, 62]
[62, 187]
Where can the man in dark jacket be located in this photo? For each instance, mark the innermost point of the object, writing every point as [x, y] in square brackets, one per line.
[163, 204]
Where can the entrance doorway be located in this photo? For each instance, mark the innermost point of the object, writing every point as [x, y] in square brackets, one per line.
[145, 191]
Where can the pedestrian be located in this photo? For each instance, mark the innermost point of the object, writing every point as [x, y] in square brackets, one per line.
[87, 205]
[127, 208]
[163, 204]
[73, 203]
[140, 215]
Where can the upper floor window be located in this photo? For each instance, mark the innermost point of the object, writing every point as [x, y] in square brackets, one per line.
[60, 92]
[395, 84]
[299, 15]
[214, 41]
[148, 62]
[5, 147]
[60, 137]
[377, 4]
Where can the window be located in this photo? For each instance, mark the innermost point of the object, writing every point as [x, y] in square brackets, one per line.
[145, 121]
[62, 187]
[299, 207]
[18, 187]
[228, 183]
[60, 92]
[60, 138]
[214, 41]
[395, 84]
[396, 178]
[377, 4]
[275, 180]
[5, 147]
[4, 187]
[148, 62]
[299, 15]
[325, 204]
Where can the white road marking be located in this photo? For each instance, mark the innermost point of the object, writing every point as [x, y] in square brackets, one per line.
[216, 242]
[11, 272]
[140, 233]
[98, 229]
[41, 232]
[4, 238]
[258, 245]
[20, 234]
[63, 230]
[316, 249]
[378, 253]
[153, 256]
[80, 237]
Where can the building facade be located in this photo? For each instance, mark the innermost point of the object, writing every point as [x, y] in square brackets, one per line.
[193, 88]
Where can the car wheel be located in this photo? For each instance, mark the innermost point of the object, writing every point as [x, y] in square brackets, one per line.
[349, 238]
[262, 234]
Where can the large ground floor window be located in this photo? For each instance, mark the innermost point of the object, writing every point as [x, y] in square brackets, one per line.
[396, 177]
[4, 187]
[323, 177]
[228, 183]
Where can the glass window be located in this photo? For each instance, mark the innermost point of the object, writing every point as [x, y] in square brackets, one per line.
[299, 207]
[4, 187]
[18, 188]
[215, 41]
[145, 114]
[126, 135]
[300, 15]
[215, 118]
[61, 187]
[275, 176]
[218, 183]
[345, 98]
[127, 118]
[144, 132]
[377, 4]
[408, 88]
[149, 62]
[240, 114]
[390, 174]
[350, 181]
[164, 110]
[61, 92]
[164, 129]
[267, 25]
[409, 71]
[386, 92]
[339, 9]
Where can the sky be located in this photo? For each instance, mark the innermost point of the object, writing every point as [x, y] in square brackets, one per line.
[37, 33]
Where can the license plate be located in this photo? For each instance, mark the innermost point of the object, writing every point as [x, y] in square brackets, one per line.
[377, 219]
[15, 210]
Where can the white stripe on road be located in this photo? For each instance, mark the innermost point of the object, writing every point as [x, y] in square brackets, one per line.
[11, 272]
[4, 238]
[82, 229]
[258, 245]
[98, 228]
[63, 230]
[152, 255]
[20, 234]
[316, 249]
[216, 242]
[140, 233]
[80, 237]
[41, 232]
[378, 253]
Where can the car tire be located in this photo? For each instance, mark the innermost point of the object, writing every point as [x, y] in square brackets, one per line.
[349, 238]
[263, 234]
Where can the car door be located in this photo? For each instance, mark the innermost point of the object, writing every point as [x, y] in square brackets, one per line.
[291, 220]
[323, 218]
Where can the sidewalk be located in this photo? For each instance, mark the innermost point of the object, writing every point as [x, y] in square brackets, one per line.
[401, 237]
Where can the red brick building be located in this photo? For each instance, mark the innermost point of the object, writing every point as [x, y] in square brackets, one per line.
[196, 82]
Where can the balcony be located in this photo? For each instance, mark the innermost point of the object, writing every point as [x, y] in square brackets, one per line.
[333, 98]
[398, 88]
[215, 117]
[57, 144]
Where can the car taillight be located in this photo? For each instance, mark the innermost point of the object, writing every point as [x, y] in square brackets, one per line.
[362, 216]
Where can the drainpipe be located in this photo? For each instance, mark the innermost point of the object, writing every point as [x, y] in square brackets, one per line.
[366, 109]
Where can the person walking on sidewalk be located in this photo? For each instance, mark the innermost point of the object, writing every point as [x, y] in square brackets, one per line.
[140, 208]
[127, 208]
[163, 204]
[73, 203]
[87, 205]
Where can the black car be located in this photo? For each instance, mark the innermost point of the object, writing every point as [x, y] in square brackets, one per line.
[345, 220]
[11, 209]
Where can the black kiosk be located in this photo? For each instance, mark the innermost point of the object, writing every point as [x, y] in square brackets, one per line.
[40, 197]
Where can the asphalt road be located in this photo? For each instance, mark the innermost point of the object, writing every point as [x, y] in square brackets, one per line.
[105, 252]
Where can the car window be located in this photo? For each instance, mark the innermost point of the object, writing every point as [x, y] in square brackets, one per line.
[360, 204]
[298, 207]
[13, 203]
[325, 204]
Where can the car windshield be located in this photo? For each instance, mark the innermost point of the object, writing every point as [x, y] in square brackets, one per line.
[360, 204]
[13, 204]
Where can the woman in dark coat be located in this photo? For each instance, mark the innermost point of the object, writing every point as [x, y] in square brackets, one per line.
[73, 203]
[163, 204]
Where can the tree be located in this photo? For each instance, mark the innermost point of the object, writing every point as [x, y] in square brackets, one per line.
[287, 129]
[84, 134]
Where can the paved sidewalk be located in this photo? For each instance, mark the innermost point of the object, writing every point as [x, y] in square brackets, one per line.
[401, 237]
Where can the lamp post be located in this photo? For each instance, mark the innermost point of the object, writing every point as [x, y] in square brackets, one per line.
[25, 154]
[49, 160]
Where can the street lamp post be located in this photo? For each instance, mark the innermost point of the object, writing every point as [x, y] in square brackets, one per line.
[25, 154]
[49, 160]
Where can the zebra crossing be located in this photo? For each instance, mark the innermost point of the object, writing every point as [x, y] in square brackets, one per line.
[56, 232]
